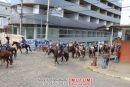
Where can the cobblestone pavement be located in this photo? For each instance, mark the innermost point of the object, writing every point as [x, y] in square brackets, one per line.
[38, 70]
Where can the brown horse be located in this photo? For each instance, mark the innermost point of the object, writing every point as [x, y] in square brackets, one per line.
[6, 56]
[45, 48]
[18, 46]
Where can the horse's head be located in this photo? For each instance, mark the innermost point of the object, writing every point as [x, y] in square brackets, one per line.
[14, 43]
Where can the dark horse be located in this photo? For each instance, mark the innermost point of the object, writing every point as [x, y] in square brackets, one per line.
[18, 46]
[72, 49]
[13, 51]
[6, 56]
[58, 55]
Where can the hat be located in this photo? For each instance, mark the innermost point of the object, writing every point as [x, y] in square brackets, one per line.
[6, 37]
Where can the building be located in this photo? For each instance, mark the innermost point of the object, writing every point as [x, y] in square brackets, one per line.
[69, 20]
[5, 10]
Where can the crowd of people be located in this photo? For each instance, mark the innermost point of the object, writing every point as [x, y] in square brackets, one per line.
[94, 51]
[78, 49]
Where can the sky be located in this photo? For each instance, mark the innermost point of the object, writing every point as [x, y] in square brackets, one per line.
[125, 15]
[5, 0]
[125, 20]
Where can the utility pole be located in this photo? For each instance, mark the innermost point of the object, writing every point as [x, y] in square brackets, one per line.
[111, 39]
[21, 17]
[47, 20]
[41, 28]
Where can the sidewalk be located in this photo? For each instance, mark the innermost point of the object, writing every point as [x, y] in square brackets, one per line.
[117, 70]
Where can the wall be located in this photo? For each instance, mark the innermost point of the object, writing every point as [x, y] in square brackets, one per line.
[125, 51]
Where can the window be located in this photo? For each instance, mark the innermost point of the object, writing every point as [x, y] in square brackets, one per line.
[98, 34]
[77, 34]
[30, 32]
[41, 32]
[105, 34]
[102, 34]
[62, 33]
[15, 30]
[90, 34]
[93, 34]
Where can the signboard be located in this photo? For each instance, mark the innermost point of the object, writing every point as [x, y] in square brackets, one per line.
[57, 12]
[37, 42]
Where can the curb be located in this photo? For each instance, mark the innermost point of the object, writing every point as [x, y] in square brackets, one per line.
[108, 74]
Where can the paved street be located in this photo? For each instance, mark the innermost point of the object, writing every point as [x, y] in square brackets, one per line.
[39, 70]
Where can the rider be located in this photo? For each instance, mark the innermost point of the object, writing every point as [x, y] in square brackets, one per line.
[23, 42]
[7, 43]
[50, 44]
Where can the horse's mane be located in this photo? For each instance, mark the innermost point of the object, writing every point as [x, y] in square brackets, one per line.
[15, 42]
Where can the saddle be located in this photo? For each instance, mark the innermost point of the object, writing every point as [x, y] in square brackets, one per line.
[23, 45]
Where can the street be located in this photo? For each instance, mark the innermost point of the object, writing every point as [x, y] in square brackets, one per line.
[38, 70]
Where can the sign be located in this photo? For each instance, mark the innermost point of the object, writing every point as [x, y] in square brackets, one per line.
[37, 43]
[57, 12]
[77, 82]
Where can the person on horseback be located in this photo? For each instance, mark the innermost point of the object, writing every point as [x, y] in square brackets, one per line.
[23, 42]
[50, 44]
[7, 42]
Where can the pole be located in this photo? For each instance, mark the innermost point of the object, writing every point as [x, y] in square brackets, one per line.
[41, 29]
[47, 20]
[111, 39]
[21, 17]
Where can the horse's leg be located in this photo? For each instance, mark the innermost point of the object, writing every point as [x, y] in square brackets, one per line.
[46, 52]
[72, 54]
[26, 50]
[11, 60]
[84, 53]
[19, 49]
[1, 62]
[62, 58]
[29, 48]
[66, 55]
[56, 60]
[7, 61]
[15, 53]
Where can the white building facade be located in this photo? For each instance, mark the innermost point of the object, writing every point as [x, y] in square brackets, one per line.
[69, 20]
[5, 11]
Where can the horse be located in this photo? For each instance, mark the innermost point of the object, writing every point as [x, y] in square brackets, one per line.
[72, 49]
[45, 48]
[6, 56]
[80, 51]
[92, 52]
[58, 54]
[11, 49]
[18, 46]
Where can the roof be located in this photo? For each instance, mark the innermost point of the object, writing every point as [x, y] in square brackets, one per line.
[115, 27]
